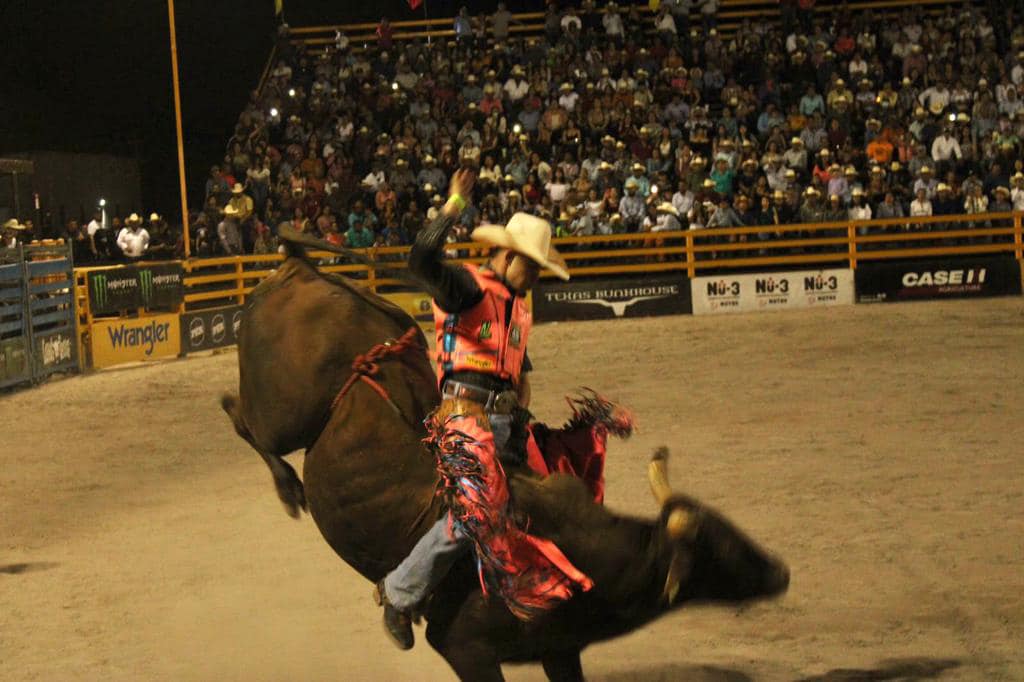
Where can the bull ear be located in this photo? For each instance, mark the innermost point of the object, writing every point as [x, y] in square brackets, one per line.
[657, 475]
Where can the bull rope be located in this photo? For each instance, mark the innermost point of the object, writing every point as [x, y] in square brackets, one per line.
[366, 366]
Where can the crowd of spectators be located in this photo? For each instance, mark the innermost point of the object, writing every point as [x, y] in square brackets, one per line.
[106, 239]
[617, 119]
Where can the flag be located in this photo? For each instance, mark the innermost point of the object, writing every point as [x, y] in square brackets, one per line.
[413, 4]
[278, 7]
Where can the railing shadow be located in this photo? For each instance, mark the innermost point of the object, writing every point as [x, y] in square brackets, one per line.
[674, 672]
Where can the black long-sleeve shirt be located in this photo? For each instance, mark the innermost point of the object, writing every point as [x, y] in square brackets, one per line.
[453, 289]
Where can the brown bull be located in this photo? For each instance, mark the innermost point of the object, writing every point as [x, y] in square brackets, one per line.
[370, 486]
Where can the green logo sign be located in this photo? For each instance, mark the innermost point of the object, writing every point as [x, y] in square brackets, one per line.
[485, 331]
[516, 336]
[146, 281]
[99, 291]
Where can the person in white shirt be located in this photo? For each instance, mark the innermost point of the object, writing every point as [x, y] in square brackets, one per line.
[516, 87]
[568, 98]
[668, 219]
[612, 22]
[935, 98]
[945, 147]
[921, 206]
[858, 209]
[683, 199]
[133, 239]
[94, 226]
[1017, 193]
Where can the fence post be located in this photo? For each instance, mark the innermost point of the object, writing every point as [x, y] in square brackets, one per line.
[371, 269]
[851, 237]
[239, 280]
[691, 267]
[1018, 243]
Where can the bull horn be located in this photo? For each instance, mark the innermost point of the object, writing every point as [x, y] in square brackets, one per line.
[680, 523]
[657, 475]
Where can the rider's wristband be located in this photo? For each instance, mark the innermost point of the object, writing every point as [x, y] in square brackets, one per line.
[460, 203]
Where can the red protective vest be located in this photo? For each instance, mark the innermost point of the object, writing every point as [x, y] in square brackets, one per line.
[477, 340]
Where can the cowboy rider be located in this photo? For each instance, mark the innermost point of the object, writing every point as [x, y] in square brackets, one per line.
[482, 324]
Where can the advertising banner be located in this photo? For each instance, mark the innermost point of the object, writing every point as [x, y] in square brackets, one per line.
[115, 342]
[603, 299]
[161, 285]
[208, 329]
[772, 291]
[131, 287]
[54, 350]
[937, 278]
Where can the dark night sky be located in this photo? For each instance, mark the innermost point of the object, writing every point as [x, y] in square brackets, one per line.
[95, 76]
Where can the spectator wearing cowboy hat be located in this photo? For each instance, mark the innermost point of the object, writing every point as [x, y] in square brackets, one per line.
[11, 233]
[229, 233]
[133, 239]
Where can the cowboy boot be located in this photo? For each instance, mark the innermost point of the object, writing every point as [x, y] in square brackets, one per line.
[397, 624]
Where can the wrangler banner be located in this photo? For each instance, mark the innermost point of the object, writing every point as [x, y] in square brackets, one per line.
[208, 329]
[130, 287]
[115, 342]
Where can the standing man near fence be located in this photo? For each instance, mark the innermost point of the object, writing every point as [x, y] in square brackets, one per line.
[133, 239]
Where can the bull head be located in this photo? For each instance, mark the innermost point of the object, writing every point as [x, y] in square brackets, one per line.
[710, 559]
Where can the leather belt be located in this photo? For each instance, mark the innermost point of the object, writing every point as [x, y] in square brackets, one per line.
[492, 401]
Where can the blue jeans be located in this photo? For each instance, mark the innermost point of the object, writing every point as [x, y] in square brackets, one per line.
[415, 578]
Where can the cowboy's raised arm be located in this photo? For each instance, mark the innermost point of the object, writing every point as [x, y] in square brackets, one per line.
[451, 286]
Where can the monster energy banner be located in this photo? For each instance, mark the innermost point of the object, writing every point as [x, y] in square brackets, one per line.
[129, 287]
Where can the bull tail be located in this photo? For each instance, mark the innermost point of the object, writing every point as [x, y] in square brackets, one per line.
[286, 481]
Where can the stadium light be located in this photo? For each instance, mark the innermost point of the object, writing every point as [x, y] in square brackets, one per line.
[952, 118]
[274, 112]
[291, 92]
[517, 129]
[103, 202]
[394, 86]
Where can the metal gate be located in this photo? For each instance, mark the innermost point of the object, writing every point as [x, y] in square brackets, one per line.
[37, 317]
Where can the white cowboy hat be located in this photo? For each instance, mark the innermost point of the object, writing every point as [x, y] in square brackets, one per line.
[230, 210]
[527, 235]
[666, 207]
[13, 224]
[133, 219]
[153, 217]
[237, 189]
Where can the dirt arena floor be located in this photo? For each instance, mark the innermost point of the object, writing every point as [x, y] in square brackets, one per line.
[878, 449]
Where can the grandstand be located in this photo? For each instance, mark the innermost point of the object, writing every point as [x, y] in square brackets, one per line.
[761, 114]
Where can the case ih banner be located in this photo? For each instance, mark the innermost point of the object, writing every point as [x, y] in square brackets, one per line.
[209, 329]
[135, 286]
[602, 299]
[937, 278]
[772, 291]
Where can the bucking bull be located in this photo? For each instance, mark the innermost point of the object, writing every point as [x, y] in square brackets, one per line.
[308, 382]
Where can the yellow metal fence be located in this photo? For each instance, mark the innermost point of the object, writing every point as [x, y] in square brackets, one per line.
[225, 281]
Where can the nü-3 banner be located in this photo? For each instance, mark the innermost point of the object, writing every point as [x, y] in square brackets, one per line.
[115, 342]
[772, 291]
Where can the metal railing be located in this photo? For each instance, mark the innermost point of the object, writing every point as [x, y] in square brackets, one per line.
[224, 281]
[729, 18]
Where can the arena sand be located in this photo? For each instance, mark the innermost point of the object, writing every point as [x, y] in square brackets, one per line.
[877, 449]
